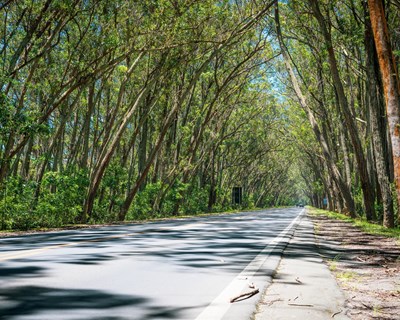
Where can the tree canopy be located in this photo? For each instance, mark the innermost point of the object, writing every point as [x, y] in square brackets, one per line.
[132, 109]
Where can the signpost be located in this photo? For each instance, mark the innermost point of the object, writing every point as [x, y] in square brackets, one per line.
[237, 194]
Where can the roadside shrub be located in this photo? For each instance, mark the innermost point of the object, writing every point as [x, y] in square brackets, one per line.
[16, 201]
[61, 198]
[142, 206]
[196, 201]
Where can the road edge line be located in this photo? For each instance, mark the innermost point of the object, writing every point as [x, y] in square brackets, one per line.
[221, 304]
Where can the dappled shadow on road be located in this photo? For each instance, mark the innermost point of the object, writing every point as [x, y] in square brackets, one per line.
[230, 249]
[20, 272]
[227, 243]
[87, 259]
[212, 244]
[25, 301]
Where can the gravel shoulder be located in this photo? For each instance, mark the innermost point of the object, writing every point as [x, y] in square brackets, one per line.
[367, 267]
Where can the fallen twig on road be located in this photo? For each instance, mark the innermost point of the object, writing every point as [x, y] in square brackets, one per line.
[300, 305]
[362, 260]
[298, 280]
[270, 303]
[336, 313]
[367, 306]
[244, 296]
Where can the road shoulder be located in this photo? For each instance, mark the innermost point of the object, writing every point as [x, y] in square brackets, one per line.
[366, 266]
[303, 286]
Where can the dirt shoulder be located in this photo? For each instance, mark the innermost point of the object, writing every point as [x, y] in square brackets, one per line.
[367, 267]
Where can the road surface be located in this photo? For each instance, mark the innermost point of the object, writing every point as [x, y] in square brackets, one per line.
[176, 269]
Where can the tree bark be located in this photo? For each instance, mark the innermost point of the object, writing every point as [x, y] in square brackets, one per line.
[374, 101]
[86, 126]
[391, 83]
[142, 151]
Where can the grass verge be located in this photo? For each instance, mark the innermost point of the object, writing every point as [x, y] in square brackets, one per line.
[365, 226]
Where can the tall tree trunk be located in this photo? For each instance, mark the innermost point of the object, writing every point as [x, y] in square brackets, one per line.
[346, 158]
[142, 151]
[391, 83]
[212, 194]
[86, 126]
[374, 101]
[26, 164]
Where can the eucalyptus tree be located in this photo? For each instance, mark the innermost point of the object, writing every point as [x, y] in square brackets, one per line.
[346, 112]
[343, 92]
[391, 84]
[344, 189]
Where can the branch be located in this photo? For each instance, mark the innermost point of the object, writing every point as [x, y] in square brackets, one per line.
[245, 296]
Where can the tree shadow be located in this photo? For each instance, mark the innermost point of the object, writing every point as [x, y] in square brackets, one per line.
[211, 244]
[29, 300]
[356, 249]
[225, 243]
[21, 272]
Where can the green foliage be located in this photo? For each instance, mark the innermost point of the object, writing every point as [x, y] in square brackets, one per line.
[61, 200]
[142, 207]
[196, 201]
[70, 79]
[248, 201]
[330, 214]
[16, 205]
[359, 202]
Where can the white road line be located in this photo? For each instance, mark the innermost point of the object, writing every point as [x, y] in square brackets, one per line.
[217, 308]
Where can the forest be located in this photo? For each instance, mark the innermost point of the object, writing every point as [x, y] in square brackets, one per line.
[138, 109]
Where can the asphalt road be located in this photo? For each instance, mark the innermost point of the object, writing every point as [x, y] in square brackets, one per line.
[177, 269]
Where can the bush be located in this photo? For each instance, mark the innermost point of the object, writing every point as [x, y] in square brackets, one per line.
[196, 201]
[16, 202]
[142, 206]
[61, 199]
